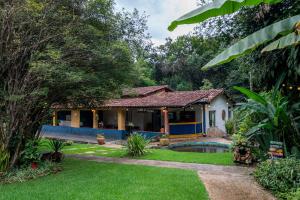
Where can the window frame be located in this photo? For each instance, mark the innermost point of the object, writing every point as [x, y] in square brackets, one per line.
[212, 118]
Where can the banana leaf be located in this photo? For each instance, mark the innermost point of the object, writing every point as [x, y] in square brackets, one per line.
[216, 8]
[283, 42]
[252, 95]
[254, 40]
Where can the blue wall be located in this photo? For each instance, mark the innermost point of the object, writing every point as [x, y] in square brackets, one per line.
[65, 130]
[108, 133]
[181, 129]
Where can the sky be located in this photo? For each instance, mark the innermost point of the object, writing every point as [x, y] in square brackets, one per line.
[161, 13]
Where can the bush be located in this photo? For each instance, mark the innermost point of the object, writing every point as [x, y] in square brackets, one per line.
[56, 145]
[280, 176]
[30, 153]
[69, 143]
[27, 173]
[230, 127]
[136, 145]
[4, 159]
[292, 195]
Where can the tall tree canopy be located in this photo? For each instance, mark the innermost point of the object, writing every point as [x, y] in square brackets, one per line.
[73, 51]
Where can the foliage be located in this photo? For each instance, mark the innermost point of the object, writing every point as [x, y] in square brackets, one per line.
[239, 140]
[292, 195]
[279, 176]
[4, 159]
[30, 153]
[176, 63]
[25, 174]
[285, 41]
[69, 143]
[136, 145]
[215, 8]
[65, 52]
[253, 69]
[164, 136]
[275, 120]
[254, 40]
[230, 126]
[207, 85]
[56, 145]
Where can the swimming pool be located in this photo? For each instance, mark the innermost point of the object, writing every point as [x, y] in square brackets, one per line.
[201, 147]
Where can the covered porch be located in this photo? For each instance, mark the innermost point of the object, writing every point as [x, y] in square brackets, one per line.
[117, 123]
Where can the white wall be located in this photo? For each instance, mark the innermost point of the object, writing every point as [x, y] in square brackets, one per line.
[218, 104]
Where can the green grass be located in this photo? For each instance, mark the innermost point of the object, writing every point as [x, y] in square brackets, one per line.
[153, 154]
[190, 157]
[91, 180]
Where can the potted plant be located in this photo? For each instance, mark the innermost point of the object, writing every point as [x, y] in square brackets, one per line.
[30, 155]
[242, 149]
[164, 140]
[100, 139]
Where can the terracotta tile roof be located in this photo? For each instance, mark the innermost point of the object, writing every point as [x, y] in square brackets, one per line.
[166, 99]
[156, 97]
[144, 91]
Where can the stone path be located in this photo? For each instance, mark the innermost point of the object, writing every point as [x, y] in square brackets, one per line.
[221, 182]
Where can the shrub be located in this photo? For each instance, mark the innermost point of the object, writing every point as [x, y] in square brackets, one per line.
[136, 145]
[27, 173]
[230, 127]
[56, 145]
[30, 153]
[69, 143]
[279, 176]
[4, 159]
[292, 195]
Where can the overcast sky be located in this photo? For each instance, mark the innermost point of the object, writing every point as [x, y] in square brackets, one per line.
[161, 13]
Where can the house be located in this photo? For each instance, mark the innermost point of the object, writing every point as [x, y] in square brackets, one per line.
[150, 111]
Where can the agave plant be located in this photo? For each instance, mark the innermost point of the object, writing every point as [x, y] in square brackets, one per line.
[275, 119]
[288, 29]
[56, 145]
[136, 145]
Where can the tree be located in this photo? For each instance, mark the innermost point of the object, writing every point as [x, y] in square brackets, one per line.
[275, 119]
[56, 52]
[282, 37]
[177, 63]
[284, 27]
[206, 85]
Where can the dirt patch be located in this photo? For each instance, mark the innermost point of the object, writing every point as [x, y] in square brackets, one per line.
[233, 186]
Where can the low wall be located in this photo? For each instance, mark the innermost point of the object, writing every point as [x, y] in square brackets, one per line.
[185, 128]
[65, 130]
[91, 132]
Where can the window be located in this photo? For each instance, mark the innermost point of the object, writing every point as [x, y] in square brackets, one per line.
[212, 118]
[187, 116]
[229, 114]
[172, 117]
[223, 115]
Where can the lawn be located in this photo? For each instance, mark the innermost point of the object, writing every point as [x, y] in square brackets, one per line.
[91, 180]
[153, 154]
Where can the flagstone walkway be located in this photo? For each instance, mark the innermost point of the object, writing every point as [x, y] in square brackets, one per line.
[221, 182]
